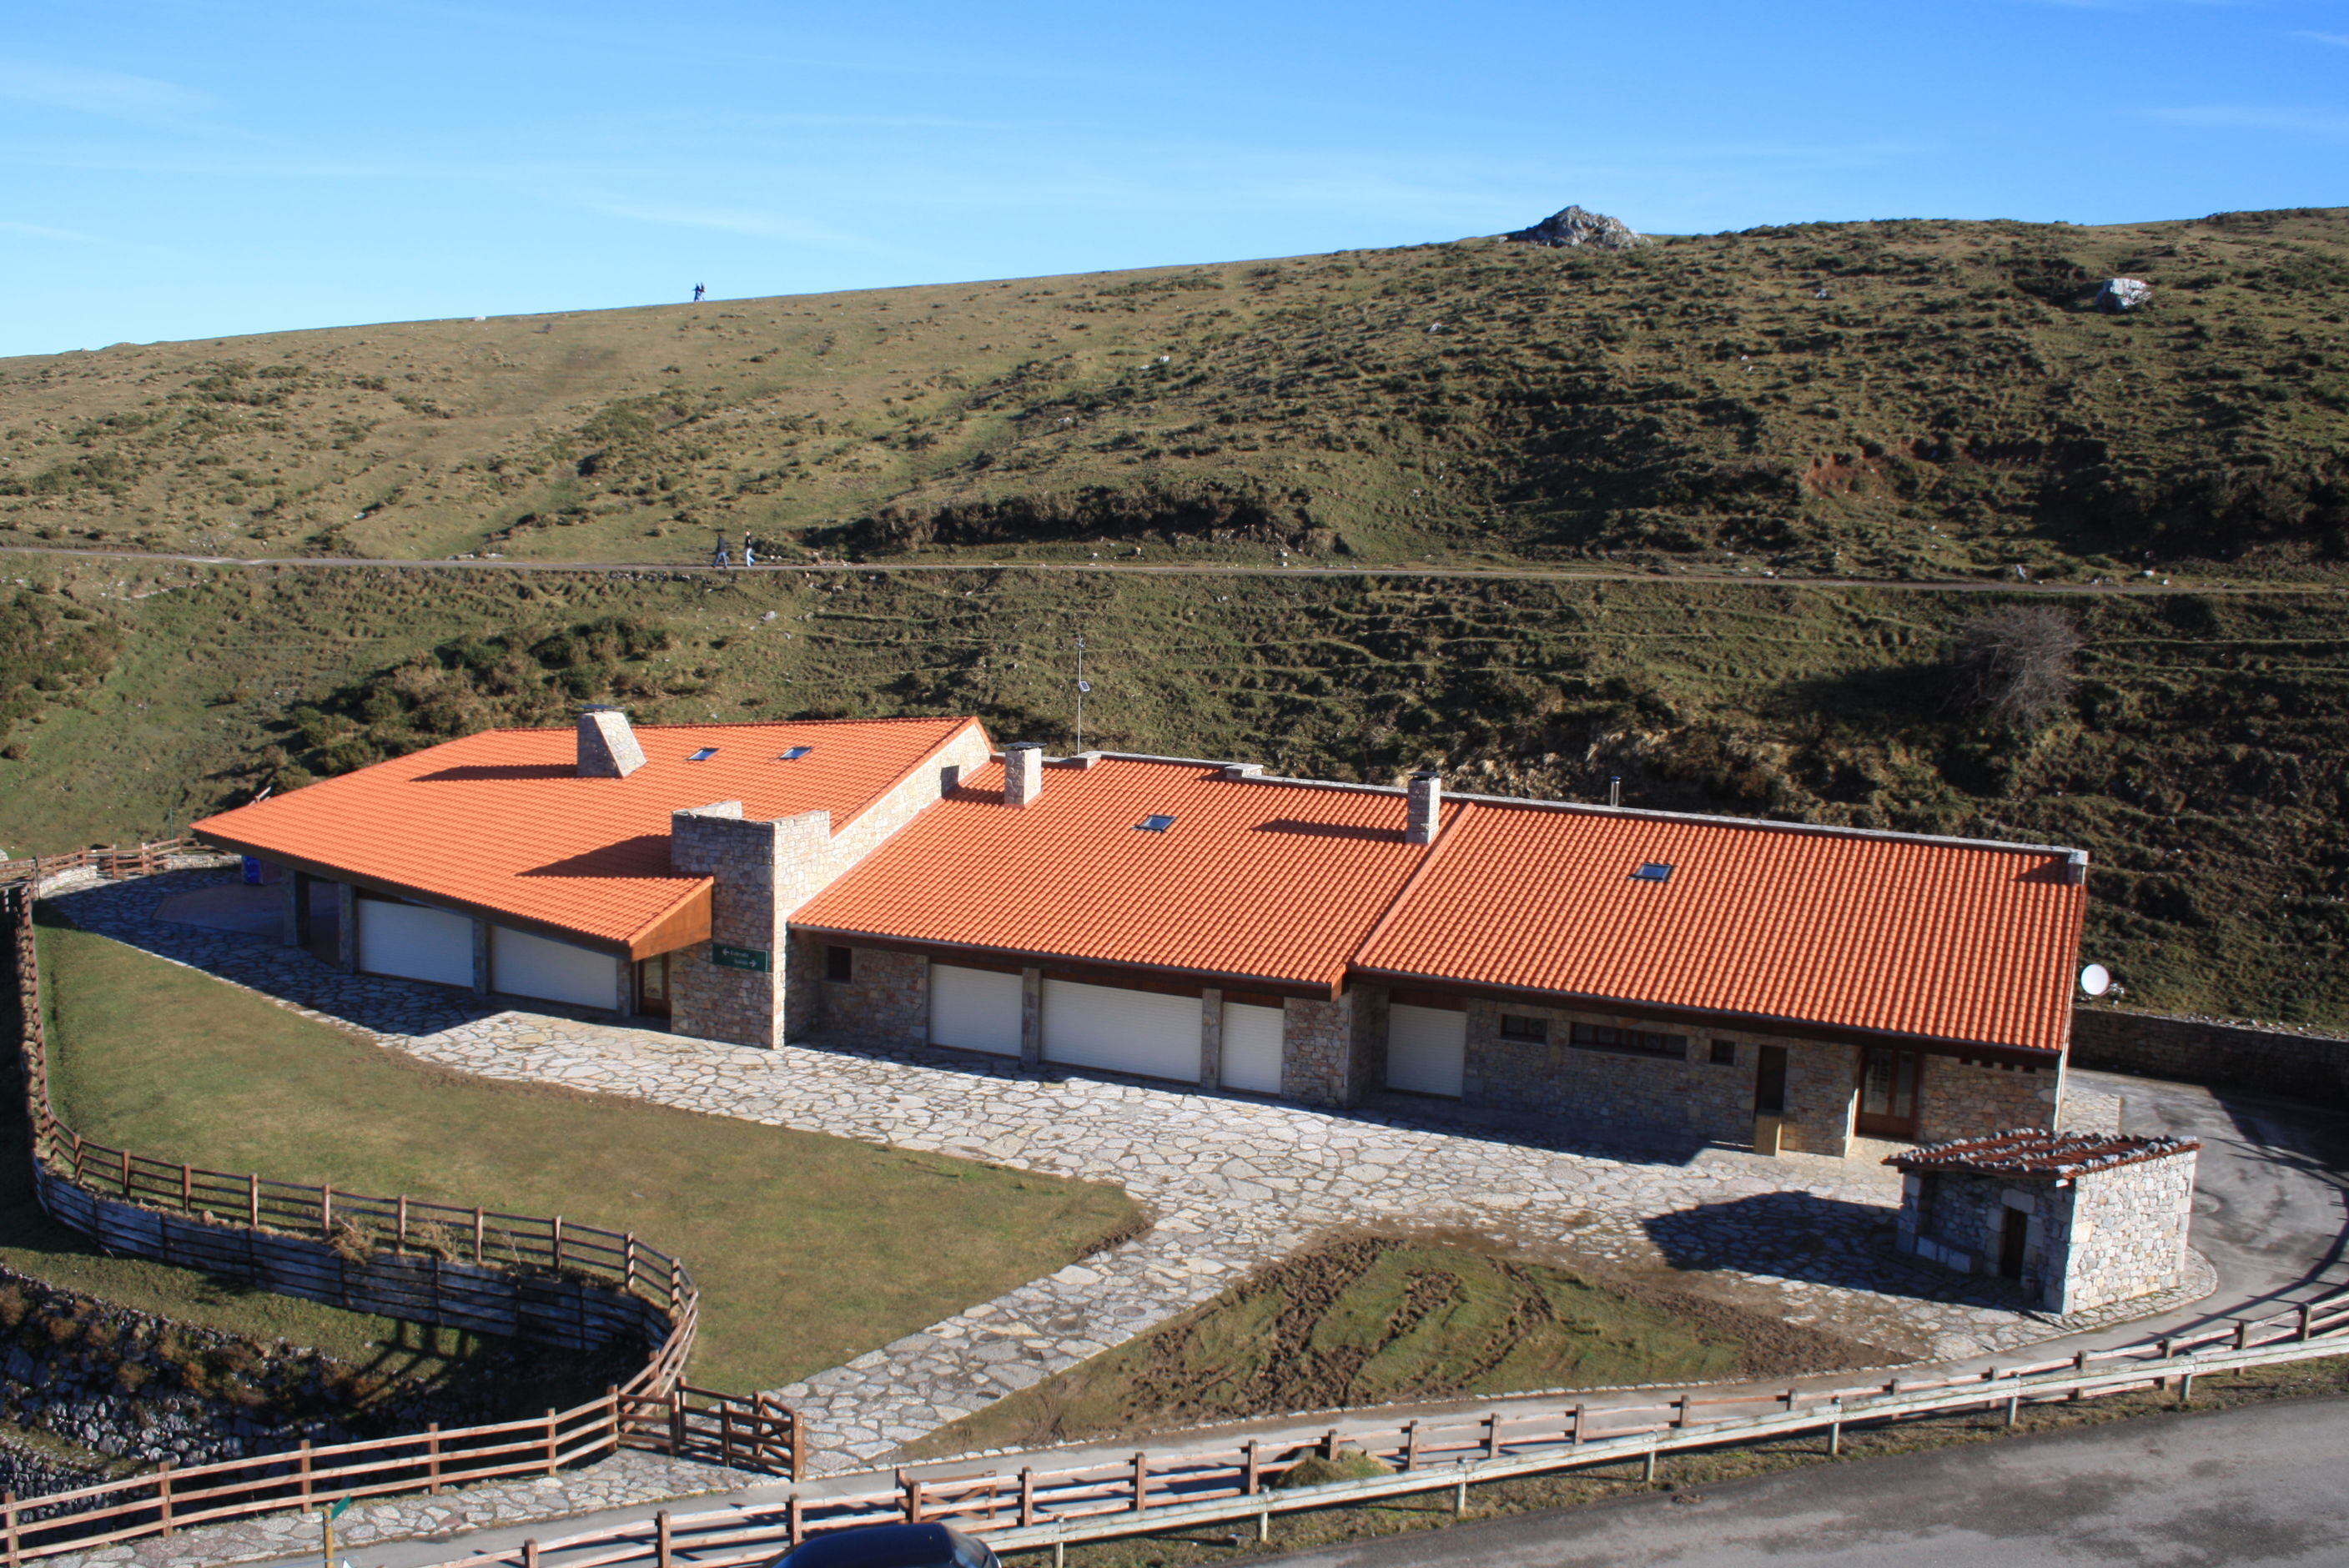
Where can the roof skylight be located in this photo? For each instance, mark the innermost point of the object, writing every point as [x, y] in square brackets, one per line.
[704, 755]
[1652, 870]
[1154, 824]
[795, 753]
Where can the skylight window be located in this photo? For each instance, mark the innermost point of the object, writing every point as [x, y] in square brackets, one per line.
[1652, 870]
[704, 755]
[1154, 824]
[795, 753]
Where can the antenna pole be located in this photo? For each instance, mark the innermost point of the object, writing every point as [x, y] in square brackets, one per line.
[1081, 689]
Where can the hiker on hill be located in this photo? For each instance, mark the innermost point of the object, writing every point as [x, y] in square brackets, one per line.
[722, 561]
[750, 556]
[697, 293]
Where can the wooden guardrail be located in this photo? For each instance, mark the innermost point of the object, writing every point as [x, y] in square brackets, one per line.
[545, 1279]
[1029, 1508]
[112, 861]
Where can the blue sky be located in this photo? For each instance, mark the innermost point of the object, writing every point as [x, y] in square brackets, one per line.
[172, 171]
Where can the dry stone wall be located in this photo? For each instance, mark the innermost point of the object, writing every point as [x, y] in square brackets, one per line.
[1958, 1097]
[2124, 1232]
[2312, 1068]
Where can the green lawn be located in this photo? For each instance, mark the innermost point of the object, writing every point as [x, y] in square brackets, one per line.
[808, 1249]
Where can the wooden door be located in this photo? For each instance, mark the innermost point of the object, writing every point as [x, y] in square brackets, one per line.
[1887, 1092]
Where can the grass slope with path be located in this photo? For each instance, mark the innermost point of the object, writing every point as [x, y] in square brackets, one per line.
[1910, 398]
[1374, 1320]
[808, 1249]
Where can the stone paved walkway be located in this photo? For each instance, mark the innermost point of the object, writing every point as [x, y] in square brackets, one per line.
[1233, 1182]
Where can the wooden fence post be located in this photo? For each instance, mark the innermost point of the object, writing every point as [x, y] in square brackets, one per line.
[1409, 1446]
[2242, 1334]
[432, 1458]
[554, 1443]
[2303, 1322]
[306, 1472]
[1582, 1414]
[326, 1212]
[677, 1420]
[628, 1262]
[1493, 1436]
[908, 1501]
[795, 1520]
[726, 1435]
[1330, 1444]
[480, 1249]
[163, 1496]
[1251, 1469]
[1026, 1497]
[1141, 1479]
[253, 1199]
[8, 1515]
[661, 1538]
[530, 1552]
[1679, 1413]
[126, 1179]
[555, 1242]
[2079, 1369]
[399, 1240]
[187, 1189]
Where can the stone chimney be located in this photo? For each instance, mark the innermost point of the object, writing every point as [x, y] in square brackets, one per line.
[607, 746]
[1426, 807]
[1023, 773]
[2075, 867]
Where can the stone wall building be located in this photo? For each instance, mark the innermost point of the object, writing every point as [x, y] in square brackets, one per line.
[901, 882]
[2076, 1221]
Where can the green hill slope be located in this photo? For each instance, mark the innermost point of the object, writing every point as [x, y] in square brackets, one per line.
[1904, 399]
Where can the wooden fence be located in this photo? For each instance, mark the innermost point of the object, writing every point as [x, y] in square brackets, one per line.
[1028, 1508]
[478, 1269]
[112, 861]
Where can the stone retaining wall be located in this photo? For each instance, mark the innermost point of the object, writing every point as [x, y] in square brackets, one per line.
[2227, 1056]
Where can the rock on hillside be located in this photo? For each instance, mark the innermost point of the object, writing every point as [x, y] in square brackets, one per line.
[1578, 229]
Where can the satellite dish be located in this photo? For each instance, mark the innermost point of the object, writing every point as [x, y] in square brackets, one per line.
[2095, 979]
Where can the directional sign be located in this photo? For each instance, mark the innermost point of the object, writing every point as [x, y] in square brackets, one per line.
[754, 959]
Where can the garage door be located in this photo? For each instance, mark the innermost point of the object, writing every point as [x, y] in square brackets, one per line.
[975, 1009]
[415, 942]
[524, 964]
[1427, 1047]
[1145, 1032]
[1251, 1048]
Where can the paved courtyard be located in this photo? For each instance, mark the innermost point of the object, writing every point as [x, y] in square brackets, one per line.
[1232, 1182]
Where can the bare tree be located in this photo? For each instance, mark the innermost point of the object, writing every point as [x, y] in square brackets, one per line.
[2016, 662]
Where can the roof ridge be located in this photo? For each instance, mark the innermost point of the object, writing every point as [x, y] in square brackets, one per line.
[1831, 830]
[943, 742]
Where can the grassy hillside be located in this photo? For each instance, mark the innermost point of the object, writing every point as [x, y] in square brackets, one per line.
[2200, 758]
[1908, 399]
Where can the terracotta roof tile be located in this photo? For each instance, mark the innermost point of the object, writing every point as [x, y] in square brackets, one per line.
[2035, 1151]
[1941, 939]
[501, 821]
[1264, 879]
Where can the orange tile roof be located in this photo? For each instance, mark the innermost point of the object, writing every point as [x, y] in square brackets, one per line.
[500, 821]
[1269, 880]
[1940, 939]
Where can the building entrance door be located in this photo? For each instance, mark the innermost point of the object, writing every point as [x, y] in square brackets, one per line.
[652, 985]
[2011, 1242]
[1887, 1093]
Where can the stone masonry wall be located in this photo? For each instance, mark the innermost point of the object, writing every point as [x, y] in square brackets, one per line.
[1623, 1092]
[1958, 1219]
[886, 1003]
[1961, 1098]
[1318, 1052]
[2123, 1234]
[2229, 1055]
[760, 870]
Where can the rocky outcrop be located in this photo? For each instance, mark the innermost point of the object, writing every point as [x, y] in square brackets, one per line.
[2122, 294]
[1577, 230]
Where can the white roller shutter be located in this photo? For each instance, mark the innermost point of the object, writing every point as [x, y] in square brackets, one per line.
[415, 942]
[522, 964]
[1145, 1032]
[975, 1009]
[1427, 1049]
[1252, 1037]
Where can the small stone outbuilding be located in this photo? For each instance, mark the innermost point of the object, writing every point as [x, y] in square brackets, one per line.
[2078, 1220]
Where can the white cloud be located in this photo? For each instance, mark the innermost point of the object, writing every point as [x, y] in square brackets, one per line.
[43, 232]
[751, 220]
[97, 92]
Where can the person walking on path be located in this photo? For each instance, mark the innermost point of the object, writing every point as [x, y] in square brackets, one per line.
[750, 557]
[721, 561]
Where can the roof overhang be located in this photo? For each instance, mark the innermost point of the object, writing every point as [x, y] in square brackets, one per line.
[684, 922]
[1706, 1017]
[1070, 967]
